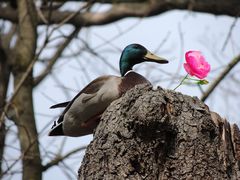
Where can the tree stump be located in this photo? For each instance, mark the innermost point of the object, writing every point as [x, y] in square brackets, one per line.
[161, 134]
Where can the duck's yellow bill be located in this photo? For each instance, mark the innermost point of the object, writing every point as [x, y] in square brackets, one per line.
[153, 58]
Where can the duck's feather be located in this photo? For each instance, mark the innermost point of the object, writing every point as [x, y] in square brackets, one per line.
[60, 105]
[130, 80]
[82, 114]
[92, 100]
[56, 130]
[85, 129]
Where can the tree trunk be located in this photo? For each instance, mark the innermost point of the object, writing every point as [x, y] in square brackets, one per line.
[23, 102]
[161, 134]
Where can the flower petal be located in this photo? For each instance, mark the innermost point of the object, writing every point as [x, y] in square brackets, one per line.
[196, 64]
[188, 69]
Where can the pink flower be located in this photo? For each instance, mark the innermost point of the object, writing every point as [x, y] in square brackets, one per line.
[196, 65]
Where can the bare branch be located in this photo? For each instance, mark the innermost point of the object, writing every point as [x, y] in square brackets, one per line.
[17, 88]
[29, 70]
[228, 68]
[91, 50]
[55, 57]
[123, 10]
[60, 158]
[229, 34]
[23, 154]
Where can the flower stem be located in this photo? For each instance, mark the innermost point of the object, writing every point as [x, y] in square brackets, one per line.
[181, 82]
[193, 79]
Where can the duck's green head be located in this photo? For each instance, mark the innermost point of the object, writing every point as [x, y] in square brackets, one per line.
[135, 54]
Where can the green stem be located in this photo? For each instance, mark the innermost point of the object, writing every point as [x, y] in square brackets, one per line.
[193, 79]
[181, 82]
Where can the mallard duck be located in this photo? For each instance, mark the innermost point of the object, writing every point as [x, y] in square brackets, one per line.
[82, 114]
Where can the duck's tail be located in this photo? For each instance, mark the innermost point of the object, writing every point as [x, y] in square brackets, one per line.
[57, 130]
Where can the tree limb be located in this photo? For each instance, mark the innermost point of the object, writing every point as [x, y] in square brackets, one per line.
[122, 10]
[228, 68]
[229, 34]
[60, 158]
[55, 57]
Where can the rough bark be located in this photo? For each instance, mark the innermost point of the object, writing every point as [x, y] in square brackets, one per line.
[161, 134]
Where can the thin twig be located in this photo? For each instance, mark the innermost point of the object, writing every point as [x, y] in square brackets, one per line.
[60, 158]
[93, 52]
[55, 57]
[23, 154]
[19, 85]
[30, 66]
[229, 34]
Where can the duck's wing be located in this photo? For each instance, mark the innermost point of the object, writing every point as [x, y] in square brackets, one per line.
[60, 105]
[87, 93]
